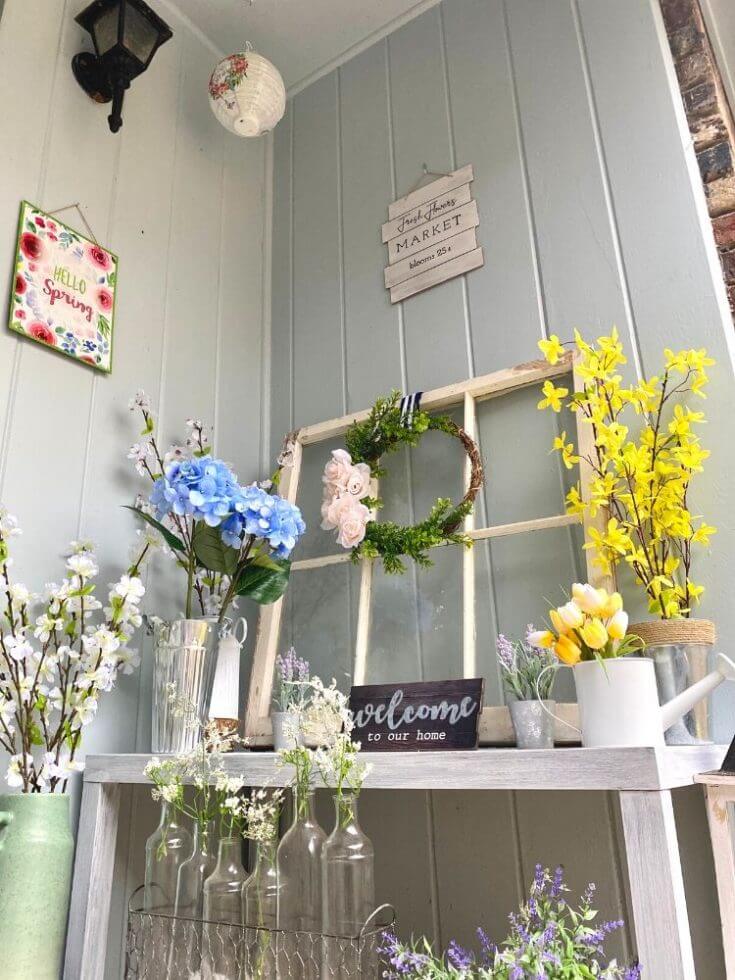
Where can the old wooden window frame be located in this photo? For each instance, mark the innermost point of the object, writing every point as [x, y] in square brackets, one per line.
[495, 724]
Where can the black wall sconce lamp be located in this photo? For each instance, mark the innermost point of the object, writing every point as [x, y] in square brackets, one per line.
[126, 34]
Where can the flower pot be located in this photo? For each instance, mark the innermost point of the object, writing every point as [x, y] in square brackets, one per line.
[681, 650]
[36, 851]
[184, 664]
[618, 702]
[533, 726]
[286, 730]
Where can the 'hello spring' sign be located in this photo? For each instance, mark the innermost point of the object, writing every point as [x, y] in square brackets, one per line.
[63, 292]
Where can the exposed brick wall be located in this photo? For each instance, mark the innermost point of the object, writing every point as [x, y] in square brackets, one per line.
[710, 122]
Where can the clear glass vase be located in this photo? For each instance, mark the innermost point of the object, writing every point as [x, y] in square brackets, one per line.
[186, 955]
[348, 890]
[168, 847]
[222, 906]
[260, 915]
[300, 889]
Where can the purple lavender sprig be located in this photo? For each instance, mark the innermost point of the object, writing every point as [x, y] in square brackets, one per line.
[549, 939]
[292, 673]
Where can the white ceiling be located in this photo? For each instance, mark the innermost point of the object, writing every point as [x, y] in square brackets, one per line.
[304, 38]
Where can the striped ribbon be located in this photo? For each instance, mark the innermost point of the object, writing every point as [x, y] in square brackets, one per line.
[410, 404]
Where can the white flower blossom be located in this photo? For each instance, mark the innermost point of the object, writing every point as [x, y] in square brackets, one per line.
[18, 647]
[20, 595]
[8, 524]
[85, 710]
[141, 401]
[7, 713]
[139, 453]
[13, 776]
[130, 588]
[82, 564]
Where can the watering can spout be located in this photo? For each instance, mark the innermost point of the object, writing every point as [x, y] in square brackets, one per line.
[673, 710]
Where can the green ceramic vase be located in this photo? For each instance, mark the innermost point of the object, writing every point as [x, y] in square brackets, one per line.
[36, 852]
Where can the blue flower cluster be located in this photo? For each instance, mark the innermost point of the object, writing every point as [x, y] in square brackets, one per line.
[206, 489]
[267, 516]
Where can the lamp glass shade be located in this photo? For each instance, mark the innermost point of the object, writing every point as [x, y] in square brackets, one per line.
[140, 36]
[104, 30]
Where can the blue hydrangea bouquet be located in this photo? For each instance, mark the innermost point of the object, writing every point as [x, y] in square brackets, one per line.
[230, 540]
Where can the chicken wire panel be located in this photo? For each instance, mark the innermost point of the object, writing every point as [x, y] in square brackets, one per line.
[165, 947]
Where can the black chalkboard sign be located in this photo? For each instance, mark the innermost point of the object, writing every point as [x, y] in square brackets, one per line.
[435, 715]
[728, 764]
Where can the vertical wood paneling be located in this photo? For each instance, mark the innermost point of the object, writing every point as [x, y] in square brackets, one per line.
[182, 204]
[281, 352]
[567, 117]
[674, 276]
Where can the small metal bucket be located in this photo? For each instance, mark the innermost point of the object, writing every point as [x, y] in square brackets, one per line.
[533, 723]
[184, 664]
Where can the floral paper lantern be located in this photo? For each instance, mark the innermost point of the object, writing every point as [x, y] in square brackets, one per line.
[247, 94]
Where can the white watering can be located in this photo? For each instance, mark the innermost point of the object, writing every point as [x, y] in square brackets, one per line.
[618, 700]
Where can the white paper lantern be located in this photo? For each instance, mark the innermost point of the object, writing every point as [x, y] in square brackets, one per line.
[247, 94]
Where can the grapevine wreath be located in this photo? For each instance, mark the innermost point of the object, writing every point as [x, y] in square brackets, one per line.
[348, 506]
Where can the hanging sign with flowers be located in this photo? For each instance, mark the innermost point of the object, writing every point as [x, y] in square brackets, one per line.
[63, 292]
[349, 506]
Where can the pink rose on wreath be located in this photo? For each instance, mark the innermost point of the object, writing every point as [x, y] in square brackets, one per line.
[52, 237]
[43, 333]
[40, 222]
[349, 517]
[31, 246]
[98, 257]
[337, 472]
[104, 299]
[20, 285]
[20, 314]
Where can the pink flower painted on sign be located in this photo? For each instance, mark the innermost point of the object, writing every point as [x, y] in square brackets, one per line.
[105, 299]
[31, 245]
[98, 257]
[64, 289]
[39, 331]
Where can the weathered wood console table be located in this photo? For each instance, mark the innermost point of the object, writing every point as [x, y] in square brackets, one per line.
[643, 778]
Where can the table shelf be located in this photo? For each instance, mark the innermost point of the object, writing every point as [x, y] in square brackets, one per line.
[619, 769]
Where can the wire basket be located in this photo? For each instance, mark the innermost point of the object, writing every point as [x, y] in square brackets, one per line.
[169, 947]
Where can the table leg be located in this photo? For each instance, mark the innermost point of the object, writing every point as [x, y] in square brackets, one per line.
[656, 885]
[722, 832]
[89, 913]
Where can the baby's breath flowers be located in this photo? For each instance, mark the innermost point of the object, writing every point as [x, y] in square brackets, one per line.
[641, 475]
[55, 664]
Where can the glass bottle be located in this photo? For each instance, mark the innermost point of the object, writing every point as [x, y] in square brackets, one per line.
[165, 851]
[260, 914]
[186, 956]
[348, 889]
[298, 863]
[222, 954]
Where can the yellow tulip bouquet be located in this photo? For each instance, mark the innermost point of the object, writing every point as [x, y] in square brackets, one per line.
[591, 626]
[640, 475]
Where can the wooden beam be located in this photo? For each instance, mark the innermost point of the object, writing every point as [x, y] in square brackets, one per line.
[260, 690]
[481, 388]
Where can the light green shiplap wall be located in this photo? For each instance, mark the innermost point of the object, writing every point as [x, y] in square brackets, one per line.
[591, 214]
[182, 203]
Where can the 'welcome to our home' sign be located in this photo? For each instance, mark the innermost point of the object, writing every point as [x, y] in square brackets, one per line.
[431, 235]
[417, 716]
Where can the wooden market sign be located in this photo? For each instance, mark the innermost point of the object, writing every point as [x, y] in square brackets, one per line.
[431, 235]
[419, 716]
